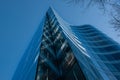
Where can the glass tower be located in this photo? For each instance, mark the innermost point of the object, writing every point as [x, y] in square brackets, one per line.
[56, 60]
[59, 51]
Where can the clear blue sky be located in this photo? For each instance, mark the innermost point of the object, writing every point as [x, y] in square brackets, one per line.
[19, 20]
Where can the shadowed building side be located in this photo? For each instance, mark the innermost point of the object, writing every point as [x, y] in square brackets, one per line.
[56, 59]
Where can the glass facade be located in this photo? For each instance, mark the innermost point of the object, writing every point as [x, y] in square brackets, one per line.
[56, 59]
[60, 51]
[101, 57]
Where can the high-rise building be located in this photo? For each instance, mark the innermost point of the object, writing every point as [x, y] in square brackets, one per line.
[59, 51]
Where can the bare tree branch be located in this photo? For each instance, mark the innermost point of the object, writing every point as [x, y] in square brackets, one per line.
[115, 4]
[116, 16]
[100, 2]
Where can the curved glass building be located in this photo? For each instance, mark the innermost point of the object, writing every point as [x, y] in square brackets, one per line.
[59, 51]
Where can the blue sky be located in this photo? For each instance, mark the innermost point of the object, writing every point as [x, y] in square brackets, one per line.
[19, 20]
